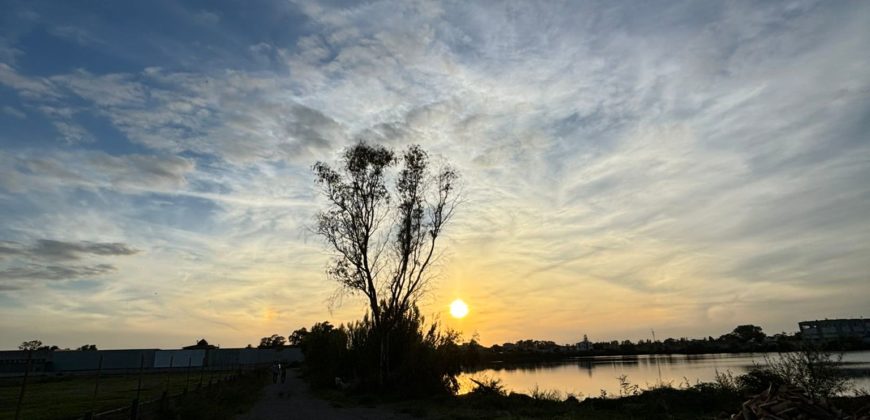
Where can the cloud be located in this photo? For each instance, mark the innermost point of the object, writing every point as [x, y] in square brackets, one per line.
[147, 171]
[23, 266]
[31, 88]
[54, 272]
[623, 166]
[131, 173]
[8, 110]
[54, 250]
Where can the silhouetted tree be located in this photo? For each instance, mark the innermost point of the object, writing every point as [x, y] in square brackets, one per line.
[31, 345]
[383, 238]
[749, 332]
[274, 341]
[88, 347]
[296, 337]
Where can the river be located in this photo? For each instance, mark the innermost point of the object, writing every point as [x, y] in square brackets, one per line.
[585, 377]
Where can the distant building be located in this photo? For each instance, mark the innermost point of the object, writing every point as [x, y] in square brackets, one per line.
[200, 345]
[42, 362]
[15, 362]
[835, 329]
[584, 345]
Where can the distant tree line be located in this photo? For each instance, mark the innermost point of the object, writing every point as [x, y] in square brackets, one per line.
[35, 345]
[743, 339]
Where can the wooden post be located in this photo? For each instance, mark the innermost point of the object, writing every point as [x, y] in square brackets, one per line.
[134, 413]
[96, 388]
[201, 371]
[164, 399]
[23, 385]
[187, 379]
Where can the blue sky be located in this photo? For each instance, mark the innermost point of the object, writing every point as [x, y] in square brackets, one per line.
[682, 166]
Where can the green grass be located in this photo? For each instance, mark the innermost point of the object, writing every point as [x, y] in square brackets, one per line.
[223, 402]
[71, 396]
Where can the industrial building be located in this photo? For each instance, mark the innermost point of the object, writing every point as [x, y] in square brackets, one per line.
[835, 330]
[14, 363]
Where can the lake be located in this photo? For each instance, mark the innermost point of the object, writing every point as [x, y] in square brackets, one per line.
[585, 377]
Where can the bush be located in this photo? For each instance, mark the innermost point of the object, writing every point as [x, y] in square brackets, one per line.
[416, 361]
[816, 372]
[758, 379]
[325, 348]
[488, 387]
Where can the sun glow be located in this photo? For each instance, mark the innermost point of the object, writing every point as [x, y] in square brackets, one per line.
[458, 309]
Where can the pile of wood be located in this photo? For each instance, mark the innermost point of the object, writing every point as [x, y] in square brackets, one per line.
[787, 403]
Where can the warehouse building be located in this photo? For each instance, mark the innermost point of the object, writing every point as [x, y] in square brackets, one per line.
[835, 330]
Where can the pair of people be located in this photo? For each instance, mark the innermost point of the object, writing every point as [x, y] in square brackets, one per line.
[277, 369]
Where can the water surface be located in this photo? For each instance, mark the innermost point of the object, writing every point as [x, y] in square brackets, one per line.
[588, 376]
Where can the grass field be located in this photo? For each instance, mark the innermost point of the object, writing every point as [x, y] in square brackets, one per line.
[72, 396]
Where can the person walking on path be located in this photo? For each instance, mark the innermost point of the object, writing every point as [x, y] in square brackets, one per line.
[275, 369]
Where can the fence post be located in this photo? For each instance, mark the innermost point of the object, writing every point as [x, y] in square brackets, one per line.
[93, 411]
[187, 378]
[201, 371]
[134, 412]
[165, 397]
[23, 384]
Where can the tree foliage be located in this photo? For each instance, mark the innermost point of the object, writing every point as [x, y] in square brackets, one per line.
[423, 360]
[296, 337]
[383, 228]
[746, 333]
[384, 238]
[30, 345]
[273, 341]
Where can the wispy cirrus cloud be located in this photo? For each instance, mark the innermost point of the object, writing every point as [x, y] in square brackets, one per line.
[61, 250]
[679, 165]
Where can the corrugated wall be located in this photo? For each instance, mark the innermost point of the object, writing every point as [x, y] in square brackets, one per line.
[112, 359]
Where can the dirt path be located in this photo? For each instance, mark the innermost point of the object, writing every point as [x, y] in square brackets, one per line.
[292, 400]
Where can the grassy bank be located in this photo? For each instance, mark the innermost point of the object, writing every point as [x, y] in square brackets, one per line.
[703, 401]
[72, 396]
[223, 402]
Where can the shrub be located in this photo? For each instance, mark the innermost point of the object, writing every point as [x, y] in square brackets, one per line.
[725, 381]
[627, 388]
[488, 387]
[325, 348]
[758, 379]
[418, 361]
[545, 395]
[816, 372]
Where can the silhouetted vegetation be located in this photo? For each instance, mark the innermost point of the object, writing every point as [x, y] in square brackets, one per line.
[818, 373]
[295, 338]
[421, 361]
[271, 342]
[33, 345]
[383, 240]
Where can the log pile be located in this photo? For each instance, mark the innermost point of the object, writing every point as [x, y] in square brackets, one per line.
[790, 404]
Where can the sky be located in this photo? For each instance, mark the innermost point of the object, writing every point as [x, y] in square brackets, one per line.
[683, 167]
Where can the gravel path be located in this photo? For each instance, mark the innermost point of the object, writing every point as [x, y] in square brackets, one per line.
[292, 400]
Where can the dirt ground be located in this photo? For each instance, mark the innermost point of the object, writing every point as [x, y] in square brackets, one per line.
[293, 400]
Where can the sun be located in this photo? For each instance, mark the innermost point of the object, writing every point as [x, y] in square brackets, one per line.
[458, 309]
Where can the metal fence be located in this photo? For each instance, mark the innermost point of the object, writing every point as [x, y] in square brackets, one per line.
[116, 393]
